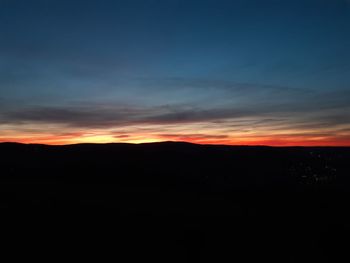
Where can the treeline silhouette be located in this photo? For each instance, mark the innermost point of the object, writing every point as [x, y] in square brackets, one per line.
[176, 202]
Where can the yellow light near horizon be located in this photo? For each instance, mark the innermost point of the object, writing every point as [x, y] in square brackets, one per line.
[111, 139]
[201, 133]
[93, 139]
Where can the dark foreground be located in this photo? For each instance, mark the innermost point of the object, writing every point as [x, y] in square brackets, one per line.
[175, 202]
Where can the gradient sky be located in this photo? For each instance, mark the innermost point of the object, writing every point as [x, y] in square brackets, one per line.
[228, 72]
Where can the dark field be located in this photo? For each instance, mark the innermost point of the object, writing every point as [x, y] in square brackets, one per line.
[175, 202]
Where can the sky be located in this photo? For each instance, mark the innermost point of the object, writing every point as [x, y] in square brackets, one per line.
[245, 72]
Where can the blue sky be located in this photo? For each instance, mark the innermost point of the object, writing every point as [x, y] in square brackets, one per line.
[111, 65]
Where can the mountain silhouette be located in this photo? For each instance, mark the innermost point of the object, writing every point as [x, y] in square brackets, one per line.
[177, 202]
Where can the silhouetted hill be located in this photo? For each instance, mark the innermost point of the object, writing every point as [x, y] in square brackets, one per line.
[178, 202]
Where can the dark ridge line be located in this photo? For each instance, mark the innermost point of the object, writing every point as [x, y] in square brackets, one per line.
[166, 143]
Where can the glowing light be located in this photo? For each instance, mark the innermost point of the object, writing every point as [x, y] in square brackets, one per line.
[201, 133]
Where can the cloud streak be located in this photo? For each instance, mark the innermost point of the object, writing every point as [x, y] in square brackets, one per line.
[126, 123]
[324, 109]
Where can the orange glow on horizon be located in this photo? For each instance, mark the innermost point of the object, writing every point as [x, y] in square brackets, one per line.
[200, 133]
[273, 141]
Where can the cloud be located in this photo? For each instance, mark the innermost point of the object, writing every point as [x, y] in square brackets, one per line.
[121, 136]
[230, 86]
[77, 116]
[187, 136]
[323, 111]
[199, 115]
[314, 116]
[127, 123]
[96, 115]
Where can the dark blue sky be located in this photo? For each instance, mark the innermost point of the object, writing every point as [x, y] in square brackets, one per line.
[240, 71]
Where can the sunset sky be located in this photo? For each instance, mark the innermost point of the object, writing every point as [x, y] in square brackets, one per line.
[247, 72]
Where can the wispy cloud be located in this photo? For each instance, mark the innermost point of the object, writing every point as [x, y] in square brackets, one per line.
[325, 109]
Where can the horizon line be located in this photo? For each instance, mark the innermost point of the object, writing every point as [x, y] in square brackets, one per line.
[179, 142]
